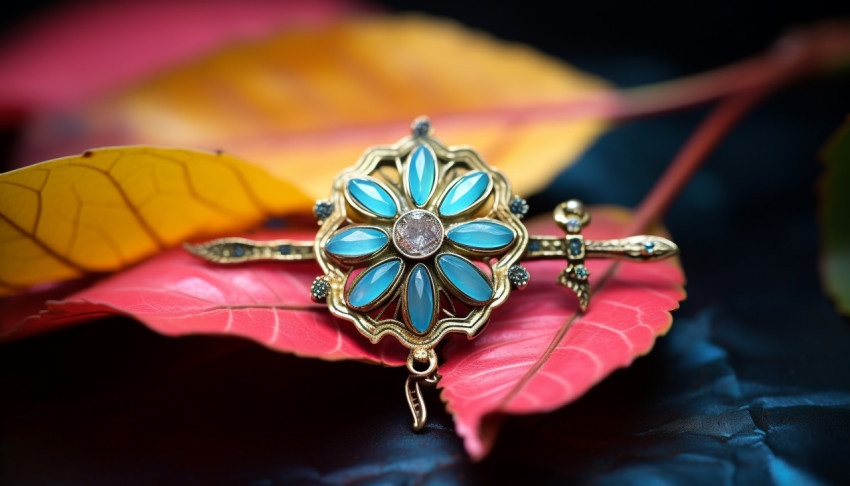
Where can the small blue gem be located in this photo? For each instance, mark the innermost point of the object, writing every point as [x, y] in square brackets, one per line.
[421, 127]
[284, 249]
[649, 247]
[575, 247]
[582, 272]
[533, 246]
[519, 207]
[320, 288]
[518, 276]
[323, 210]
[238, 250]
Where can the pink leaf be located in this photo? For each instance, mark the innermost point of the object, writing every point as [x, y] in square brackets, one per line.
[176, 294]
[538, 353]
[82, 50]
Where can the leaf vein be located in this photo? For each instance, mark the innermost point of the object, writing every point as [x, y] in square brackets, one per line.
[50, 251]
[553, 345]
[127, 203]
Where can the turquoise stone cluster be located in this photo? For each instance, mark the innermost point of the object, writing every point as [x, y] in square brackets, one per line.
[420, 242]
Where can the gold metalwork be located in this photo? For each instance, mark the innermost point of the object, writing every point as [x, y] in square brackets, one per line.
[412, 386]
[572, 217]
[540, 247]
[630, 249]
[388, 166]
[242, 250]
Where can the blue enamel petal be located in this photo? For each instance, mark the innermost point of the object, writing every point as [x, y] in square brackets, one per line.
[482, 235]
[465, 277]
[373, 283]
[357, 242]
[373, 197]
[464, 193]
[420, 299]
[421, 175]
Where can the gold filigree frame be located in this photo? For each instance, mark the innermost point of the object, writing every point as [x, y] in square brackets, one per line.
[448, 161]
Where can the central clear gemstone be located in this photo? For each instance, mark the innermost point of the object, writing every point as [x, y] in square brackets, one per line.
[418, 234]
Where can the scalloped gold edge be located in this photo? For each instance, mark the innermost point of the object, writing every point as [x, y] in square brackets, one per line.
[479, 316]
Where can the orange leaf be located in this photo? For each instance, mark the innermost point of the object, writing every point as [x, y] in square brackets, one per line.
[308, 102]
[106, 209]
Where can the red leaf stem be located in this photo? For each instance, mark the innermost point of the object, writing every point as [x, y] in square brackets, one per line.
[820, 48]
[745, 84]
[691, 156]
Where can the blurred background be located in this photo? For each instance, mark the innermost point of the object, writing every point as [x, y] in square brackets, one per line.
[748, 387]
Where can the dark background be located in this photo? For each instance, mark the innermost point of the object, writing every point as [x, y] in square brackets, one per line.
[751, 386]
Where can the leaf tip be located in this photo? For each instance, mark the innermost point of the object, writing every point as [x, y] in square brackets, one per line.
[196, 250]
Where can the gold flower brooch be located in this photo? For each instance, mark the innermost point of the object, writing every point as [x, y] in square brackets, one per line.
[419, 240]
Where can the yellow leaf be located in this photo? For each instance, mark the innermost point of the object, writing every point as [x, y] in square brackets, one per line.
[308, 102]
[108, 208]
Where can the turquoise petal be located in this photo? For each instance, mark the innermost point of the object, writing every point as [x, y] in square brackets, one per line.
[357, 242]
[465, 277]
[420, 298]
[373, 197]
[421, 175]
[373, 283]
[481, 235]
[464, 193]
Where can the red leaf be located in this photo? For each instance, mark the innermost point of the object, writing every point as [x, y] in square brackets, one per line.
[536, 355]
[539, 354]
[17, 310]
[176, 294]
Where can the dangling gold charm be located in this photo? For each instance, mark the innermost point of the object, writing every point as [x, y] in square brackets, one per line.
[427, 377]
